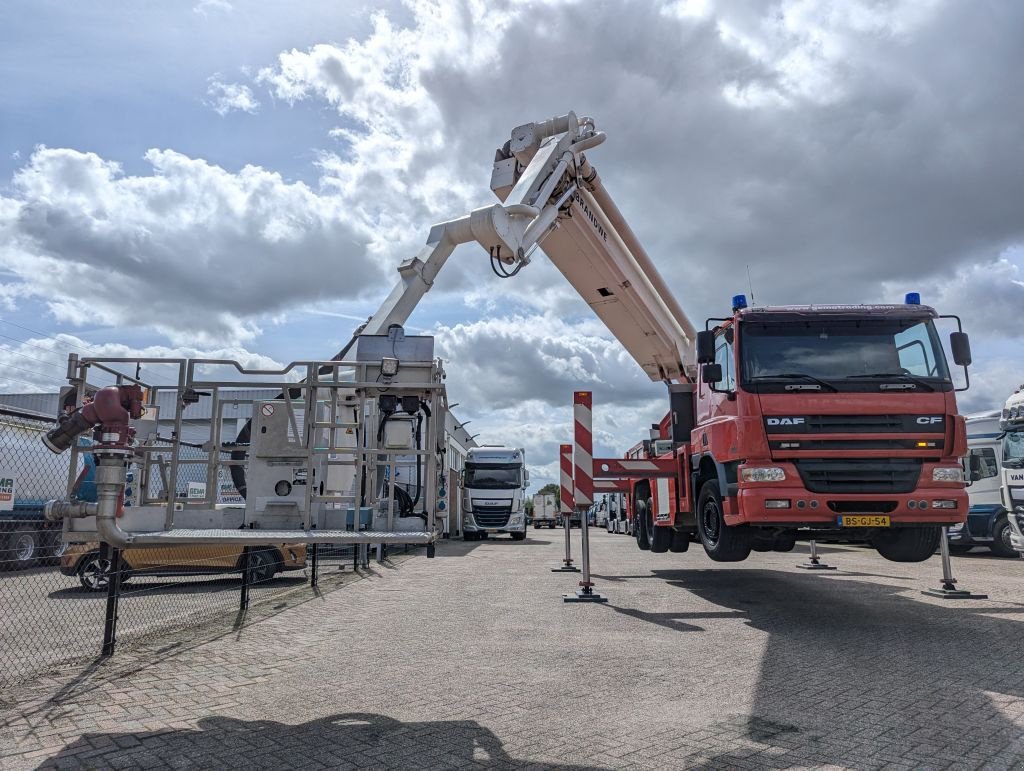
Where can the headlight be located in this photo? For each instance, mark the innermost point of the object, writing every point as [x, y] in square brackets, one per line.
[762, 474]
[948, 474]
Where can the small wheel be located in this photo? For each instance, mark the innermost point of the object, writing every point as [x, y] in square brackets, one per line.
[721, 542]
[959, 548]
[660, 538]
[1001, 546]
[94, 572]
[262, 566]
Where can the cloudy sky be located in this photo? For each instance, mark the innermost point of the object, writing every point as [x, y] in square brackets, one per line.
[240, 178]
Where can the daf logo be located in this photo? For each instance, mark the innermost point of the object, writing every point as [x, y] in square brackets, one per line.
[785, 421]
[929, 420]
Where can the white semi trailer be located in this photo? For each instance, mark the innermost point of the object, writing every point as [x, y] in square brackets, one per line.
[545, 511]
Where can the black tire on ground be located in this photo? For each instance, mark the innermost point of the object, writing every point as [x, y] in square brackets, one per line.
[536, 525]
[518, 536]
[784, 543]
[55, 546]
[908, 544]
[680, 542]
[467, 536]
[660, 538]
[762, 546]
[94, 572]
[1001, 545]
[721, 542]
[640, 524]
[262, 566]
[22, 549]
[959, 548]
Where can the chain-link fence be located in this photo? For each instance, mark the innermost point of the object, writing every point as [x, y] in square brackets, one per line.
[58, 605]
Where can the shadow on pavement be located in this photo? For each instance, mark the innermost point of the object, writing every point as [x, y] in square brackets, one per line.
[155, 584]
[862, 674]
[345, 740]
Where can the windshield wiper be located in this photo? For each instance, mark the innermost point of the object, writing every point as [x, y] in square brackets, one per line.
[896, 375]
[1013, 463]
[790, 376]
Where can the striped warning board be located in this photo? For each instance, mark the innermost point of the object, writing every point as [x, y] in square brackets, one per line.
[565, 466]
[582, 408]
[648, 468]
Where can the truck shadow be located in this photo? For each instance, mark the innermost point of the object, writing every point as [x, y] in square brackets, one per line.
[357, 740]
[857, 673]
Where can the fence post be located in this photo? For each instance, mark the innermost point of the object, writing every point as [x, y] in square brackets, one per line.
[113, 556]
[314, 577]
[243, 602]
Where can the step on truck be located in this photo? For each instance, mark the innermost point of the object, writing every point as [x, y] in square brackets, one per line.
[494, 483]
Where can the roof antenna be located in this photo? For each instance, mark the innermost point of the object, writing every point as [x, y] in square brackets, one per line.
[750, 284]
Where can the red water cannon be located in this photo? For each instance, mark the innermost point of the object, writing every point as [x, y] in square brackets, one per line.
[108, 414]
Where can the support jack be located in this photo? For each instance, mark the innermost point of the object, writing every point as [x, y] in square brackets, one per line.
[584, 594]
[948, 590]
[566, 566]
[814, 563]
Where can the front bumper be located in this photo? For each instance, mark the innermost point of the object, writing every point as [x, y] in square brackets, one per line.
[1017, 530]
[470, 525]
[818, 509]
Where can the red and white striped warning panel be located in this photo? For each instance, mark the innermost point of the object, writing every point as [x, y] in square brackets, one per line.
[565, 466]
[615, 468]
[582, 412]
[611, 485]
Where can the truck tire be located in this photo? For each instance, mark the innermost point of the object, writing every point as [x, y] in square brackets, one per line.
[1001, 533]
[660, 538]
[721, 542]
[640, 524]
[680, 542]
[467, 536]
[518, 536]
[22, 549]
[908, 544]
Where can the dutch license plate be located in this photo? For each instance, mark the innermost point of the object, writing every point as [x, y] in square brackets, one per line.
[863, 520]
[493, 530]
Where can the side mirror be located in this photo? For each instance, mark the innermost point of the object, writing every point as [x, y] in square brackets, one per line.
[974, 469]
[960, 345]
[705, 347]
[711, 373]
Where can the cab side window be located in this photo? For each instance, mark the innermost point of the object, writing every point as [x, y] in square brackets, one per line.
[723, 357]
[987, 456]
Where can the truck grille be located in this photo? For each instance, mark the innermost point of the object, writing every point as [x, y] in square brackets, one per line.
[856, 424]
[854, 475]
[492, 516]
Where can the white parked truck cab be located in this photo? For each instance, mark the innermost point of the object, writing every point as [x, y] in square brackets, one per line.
[494, 492]
[1012, 424]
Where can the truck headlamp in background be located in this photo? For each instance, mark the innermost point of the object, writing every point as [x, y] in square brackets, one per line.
[762, 474]
[948, 474]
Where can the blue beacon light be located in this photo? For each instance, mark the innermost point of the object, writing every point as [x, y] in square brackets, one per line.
[913, 298]
[739, 302]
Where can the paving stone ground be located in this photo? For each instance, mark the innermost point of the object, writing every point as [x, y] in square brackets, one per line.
[472, 659]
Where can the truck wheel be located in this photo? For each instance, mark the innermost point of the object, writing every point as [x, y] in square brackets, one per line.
[660, 538]
[959, 549]
[908, 544]
[721, 542]
[536, 525]
[467, 536]
[680, 542]
[1001, 545]
[518, 536]
[640, 524]
[22, 549]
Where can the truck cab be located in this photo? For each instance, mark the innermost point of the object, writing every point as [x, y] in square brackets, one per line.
[494, 483]
[987, 523]
[1012, 474]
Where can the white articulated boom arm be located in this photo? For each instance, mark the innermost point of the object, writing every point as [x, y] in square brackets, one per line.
[554, 198]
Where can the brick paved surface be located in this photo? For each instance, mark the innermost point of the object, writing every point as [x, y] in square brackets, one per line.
[472, 659]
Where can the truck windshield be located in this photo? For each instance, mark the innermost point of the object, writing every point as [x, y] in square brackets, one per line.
[1013, 449]
[492, 476]
[852, 354]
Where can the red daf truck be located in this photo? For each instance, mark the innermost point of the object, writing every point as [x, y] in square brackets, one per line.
[809, 422]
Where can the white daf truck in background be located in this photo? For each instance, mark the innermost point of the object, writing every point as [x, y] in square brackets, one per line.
[1011, 422]
[494, 484]
[545, 511]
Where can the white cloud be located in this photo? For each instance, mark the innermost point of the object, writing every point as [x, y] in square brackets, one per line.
[206, 7]
[227, 97]
[192, 250]
[40, 363]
